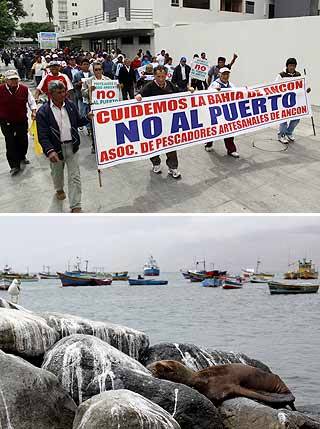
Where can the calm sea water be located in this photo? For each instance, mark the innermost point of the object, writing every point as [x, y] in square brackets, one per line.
[282, 331]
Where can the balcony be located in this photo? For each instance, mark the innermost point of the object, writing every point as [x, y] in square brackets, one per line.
[109, 21]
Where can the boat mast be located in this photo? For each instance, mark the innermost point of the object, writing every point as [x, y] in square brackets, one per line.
[86, 261]
[258, 265]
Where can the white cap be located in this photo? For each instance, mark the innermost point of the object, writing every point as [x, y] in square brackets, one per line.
[11, 74]
[224, 70]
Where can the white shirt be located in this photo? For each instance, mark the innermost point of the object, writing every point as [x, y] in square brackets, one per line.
[160, 59]
[62, 118]
[217, 84]
[183, 72]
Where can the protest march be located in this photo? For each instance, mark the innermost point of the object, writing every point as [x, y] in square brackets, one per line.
[135, 109]
[131, 131]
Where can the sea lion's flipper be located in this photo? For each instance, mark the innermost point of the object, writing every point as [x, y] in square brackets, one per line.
[291, 405]
[266, 397]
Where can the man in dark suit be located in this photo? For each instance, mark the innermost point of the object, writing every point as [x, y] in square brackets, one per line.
[181, 75]
[127, 79]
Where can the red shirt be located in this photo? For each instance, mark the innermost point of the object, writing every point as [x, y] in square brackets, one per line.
[44, 84]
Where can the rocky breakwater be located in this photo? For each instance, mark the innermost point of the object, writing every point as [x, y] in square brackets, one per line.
[94, 375]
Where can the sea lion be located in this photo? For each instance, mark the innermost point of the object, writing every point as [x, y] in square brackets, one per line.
[222, 382]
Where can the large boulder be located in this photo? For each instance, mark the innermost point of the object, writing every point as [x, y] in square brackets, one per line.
[127, 340]
[7, 304]
[195, 357]
[31, 397]
[243, 413]
[78, 359]
[122, 409]
[24, 333]
[191, 409]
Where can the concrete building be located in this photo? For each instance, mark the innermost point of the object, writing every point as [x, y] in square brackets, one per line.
[64, 11]
[294, 8]
[127, 24]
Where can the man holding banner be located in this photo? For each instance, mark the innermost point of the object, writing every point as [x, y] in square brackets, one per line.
[285, 134]
[199, 72]
[161, 86]
[88, 88]
[223, 84]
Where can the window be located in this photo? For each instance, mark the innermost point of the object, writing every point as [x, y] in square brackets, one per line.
[249, 6]
[74, 13]
[197, 4]
[127, 40]
[231, 5]
[144, 40]
[271, 10]
[175, 3]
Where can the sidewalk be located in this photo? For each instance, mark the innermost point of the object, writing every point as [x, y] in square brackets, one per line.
[266, 179]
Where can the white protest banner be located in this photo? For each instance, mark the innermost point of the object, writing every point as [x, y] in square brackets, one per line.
[142, 73]
[199, 69]
[170, 72]
[132, 131]
[106, 92]
[48, 40]
[141, 70]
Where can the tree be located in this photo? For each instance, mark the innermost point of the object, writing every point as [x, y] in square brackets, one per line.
[15, 8]
[31, 29]
[7, 23]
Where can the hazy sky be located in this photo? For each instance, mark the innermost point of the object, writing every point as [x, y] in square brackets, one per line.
[124, 242]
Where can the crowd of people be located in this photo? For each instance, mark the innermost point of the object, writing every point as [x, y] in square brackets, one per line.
[64, 82]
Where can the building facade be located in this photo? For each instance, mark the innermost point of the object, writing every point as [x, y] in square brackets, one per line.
[294, 8]
[64, 11]
[128, 24]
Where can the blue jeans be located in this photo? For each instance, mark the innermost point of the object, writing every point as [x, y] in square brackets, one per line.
[84, 109]
[285, 130]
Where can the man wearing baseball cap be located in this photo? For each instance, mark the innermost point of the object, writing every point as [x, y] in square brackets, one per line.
[54, 75]
[223, 84]
[14, 99]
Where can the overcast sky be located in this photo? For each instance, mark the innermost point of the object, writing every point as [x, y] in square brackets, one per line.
[124, 243]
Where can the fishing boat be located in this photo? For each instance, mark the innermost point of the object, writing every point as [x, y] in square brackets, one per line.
[8, 274]
[247, 273]
[151, 268]
[306, 271]
[287, 288]
[185, 274]
[4, 284]
[123, 276]
[148, 282]
[259, 279]
[73, 280]
[213, 282]
[232, 283]
[46, 275]
[200, 276]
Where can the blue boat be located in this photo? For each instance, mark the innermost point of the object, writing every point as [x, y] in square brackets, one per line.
[151, 267]
[82, 280]
[211, 282]
[141, 282]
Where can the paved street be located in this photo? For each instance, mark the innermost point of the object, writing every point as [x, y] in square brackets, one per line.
[267, 178]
